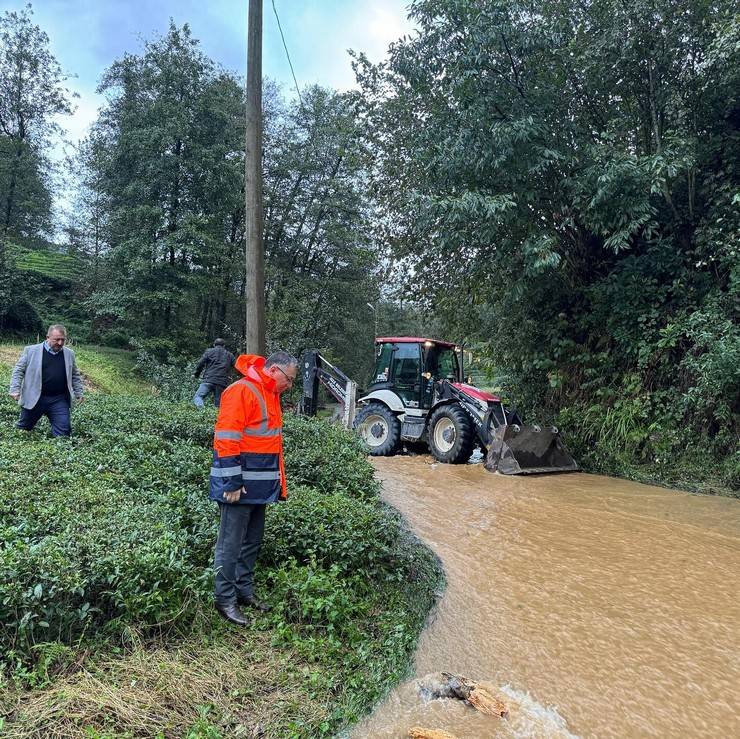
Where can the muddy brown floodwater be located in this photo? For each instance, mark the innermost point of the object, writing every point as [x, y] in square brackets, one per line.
[597, 607]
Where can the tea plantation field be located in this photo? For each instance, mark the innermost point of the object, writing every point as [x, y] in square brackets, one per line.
[106, 624]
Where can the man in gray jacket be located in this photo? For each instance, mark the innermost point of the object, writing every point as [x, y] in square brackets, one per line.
[44, 381]
[215, 364]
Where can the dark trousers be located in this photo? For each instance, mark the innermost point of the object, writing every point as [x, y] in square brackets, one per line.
[55, 408]
[239, 540]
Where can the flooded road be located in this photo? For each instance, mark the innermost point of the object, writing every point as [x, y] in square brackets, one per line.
[596, 607]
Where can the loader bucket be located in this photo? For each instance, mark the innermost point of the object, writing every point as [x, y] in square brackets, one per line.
[528, 450]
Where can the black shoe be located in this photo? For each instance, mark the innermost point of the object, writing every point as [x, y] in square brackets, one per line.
[252, 602]
[231, 612]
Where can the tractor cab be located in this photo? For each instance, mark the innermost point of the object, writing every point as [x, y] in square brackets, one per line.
[410, 367]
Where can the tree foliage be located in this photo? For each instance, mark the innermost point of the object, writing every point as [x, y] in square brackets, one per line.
[161, 214]
[321, 258]
[567, 172]
[31, 95]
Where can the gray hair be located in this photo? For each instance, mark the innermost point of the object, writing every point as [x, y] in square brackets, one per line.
[219, 342]
[57, 327]
[282, 359]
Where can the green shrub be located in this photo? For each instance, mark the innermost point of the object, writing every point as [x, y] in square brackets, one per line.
[173, 379]
[94, 531]
[332, 529]
[328, 458]
[731, 471]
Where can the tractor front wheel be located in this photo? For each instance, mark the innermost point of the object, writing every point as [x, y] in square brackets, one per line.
[379, 428]
[451, 435]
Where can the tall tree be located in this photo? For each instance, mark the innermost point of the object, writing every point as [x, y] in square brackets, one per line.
[322, 260]
[31, 95]
[87, 220]
[170, 132]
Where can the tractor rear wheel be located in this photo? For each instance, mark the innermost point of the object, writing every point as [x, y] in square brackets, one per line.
[451, 435]
[379, 428]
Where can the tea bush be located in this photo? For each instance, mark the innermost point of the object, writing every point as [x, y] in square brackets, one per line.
[325, 457]
[333, 529]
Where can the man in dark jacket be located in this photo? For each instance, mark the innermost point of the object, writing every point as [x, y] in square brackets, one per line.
[215, 364]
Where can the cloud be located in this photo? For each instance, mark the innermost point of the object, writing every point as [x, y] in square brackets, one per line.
[386, 23]
[319, 35]
[79, 124]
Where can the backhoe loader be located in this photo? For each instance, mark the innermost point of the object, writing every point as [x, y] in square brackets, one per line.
[418, 397]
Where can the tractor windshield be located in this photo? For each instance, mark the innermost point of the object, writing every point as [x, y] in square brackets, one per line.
[441, 363]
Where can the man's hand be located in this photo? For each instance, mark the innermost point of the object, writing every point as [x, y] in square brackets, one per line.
[233, 496]
[15, 396]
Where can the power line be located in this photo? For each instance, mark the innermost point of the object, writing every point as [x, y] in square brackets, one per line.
[287, 53]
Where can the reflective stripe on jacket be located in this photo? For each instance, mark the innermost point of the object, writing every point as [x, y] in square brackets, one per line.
[248, 439]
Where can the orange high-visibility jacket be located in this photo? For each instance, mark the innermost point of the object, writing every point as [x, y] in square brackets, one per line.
[248, 438]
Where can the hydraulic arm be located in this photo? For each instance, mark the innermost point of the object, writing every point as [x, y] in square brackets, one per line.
[316, 369]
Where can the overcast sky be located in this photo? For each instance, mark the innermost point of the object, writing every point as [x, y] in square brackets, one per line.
[88, 35]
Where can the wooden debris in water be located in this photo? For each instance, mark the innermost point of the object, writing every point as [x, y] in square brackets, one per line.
[417, 732]
[462, 688]
[487, 703]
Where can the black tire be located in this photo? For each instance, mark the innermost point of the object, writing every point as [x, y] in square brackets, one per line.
[451, 435]
[379, 428]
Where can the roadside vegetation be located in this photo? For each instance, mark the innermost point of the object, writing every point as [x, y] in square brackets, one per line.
[632, 440]
[560, 186]
[106, 624]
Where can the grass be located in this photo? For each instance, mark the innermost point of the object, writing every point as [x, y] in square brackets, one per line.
[235, 684]
[104, 370]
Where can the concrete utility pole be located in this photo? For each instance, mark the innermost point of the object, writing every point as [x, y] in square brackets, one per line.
[254, 249]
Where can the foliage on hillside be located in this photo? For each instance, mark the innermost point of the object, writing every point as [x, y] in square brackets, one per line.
[561, 183]
[40, 285]
[47, 263]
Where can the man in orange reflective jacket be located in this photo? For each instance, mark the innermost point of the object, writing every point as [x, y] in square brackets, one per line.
[248, 472]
